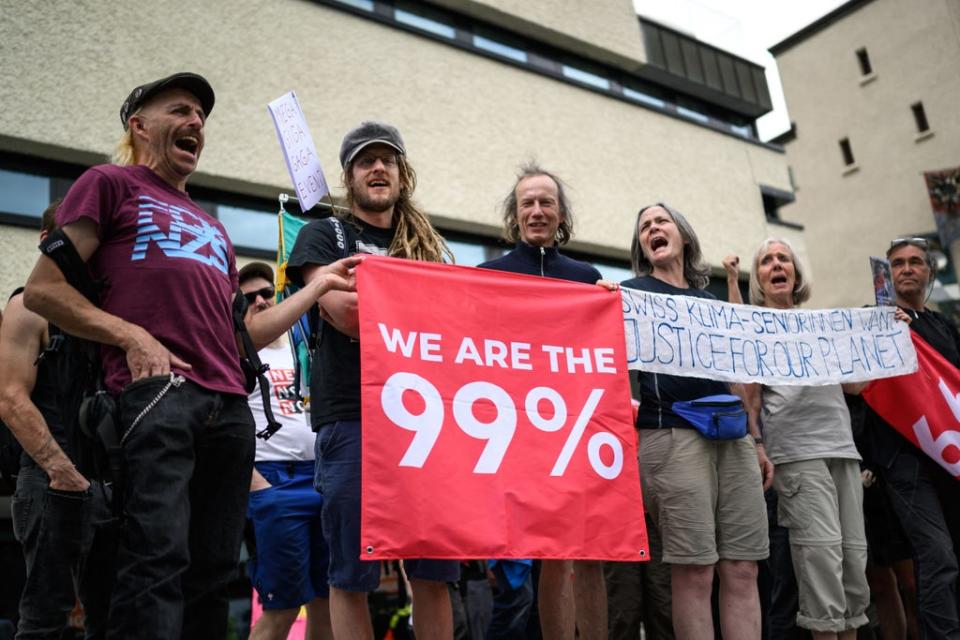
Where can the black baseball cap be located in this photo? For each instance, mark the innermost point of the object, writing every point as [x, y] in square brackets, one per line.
[256, 270]
[368, 133]
[192, 82]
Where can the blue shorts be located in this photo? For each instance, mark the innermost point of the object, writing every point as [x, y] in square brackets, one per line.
[290, 564]
[338, 479]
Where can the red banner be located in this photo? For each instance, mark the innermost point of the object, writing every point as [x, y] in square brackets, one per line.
[924, 406]
[496, 417]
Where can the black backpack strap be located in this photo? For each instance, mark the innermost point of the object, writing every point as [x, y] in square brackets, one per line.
[101, 409]
[252, 366]
[58, 247]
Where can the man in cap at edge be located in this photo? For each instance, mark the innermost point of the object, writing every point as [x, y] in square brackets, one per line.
[170, 355]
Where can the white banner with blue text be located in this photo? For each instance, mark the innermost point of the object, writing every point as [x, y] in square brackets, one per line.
[688, 336]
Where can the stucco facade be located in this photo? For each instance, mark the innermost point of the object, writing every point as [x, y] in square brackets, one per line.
[852, 212]
[468, 120]
[606, 30]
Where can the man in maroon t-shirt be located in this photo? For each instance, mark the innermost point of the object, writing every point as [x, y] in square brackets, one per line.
[170, 355]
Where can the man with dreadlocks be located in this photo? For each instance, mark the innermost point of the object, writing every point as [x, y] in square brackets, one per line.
[382, 219]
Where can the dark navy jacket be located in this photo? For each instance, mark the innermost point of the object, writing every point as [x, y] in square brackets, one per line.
[543, 261]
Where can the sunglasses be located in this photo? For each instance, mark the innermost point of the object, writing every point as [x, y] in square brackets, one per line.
[922, 243]
[266, 293]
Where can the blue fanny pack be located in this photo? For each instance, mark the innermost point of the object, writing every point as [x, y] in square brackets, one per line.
[720, 417]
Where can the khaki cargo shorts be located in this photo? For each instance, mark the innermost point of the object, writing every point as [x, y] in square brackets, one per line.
[705, 496]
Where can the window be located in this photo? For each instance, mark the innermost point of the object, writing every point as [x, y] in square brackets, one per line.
[249, 228]
[864, 59]
[770, 207]
[744, 130]
[643, 97]
[424, 23]
[464, 32]
[612, 272]
[24, 194]
[693, 114]
[363, 5]
[920, 117]
[774, 198]
[469, 254]
[847, 152]
[503, 50]
[585, 77]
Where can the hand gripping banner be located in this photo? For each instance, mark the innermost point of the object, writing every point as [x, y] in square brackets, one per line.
[496, 417]
[924, 407]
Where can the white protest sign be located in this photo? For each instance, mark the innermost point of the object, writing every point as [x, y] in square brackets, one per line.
[687, 336]
[298, 150]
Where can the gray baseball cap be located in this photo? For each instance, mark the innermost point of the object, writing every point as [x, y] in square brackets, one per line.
[368, 133]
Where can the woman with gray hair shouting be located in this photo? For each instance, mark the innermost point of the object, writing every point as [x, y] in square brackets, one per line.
[704, 495]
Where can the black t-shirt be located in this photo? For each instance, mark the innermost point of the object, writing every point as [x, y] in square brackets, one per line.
[657, 392]
[335, 376]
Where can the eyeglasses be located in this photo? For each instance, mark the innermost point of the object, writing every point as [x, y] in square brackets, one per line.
[922, 243]
[367, 161]
[266, 293]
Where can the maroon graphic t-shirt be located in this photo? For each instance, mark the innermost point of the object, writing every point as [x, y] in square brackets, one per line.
[167, 266]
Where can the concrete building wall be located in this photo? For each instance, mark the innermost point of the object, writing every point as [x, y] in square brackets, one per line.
[852, 213]
[468, 120]
[18, 246]
[608, 30]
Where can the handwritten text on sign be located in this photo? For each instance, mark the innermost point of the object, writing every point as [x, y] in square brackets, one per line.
[686, 336]
[496, 417]
[298, 150]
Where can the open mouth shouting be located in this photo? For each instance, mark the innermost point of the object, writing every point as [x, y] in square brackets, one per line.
[658, 242]
[189, 143]
[778, 279]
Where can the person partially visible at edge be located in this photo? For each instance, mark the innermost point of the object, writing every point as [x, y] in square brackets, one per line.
[704, 496]
[61, 517]
[538, 218]
[288, 554]
[383, 219]
[170, 356]
[808, 437]
[924, 496]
